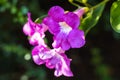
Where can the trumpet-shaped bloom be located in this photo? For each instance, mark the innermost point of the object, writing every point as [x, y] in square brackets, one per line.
[80, 12]
[35, 31]
[64, 26]
[54, 59]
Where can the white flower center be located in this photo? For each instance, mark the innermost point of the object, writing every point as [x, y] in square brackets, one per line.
[65, 27]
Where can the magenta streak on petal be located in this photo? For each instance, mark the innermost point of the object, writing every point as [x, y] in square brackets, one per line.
[63, 66]
[36, 39]
[27, 29]
[36, 57]
[53, 58]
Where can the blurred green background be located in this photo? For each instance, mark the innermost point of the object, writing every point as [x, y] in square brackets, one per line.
[99, 59]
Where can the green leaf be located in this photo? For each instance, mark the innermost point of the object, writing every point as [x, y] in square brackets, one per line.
[92, 17]
[3, 1]
[115, 16]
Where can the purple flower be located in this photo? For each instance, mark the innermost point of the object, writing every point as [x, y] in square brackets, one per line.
[35, 31]
[64, 26]
[53, 58]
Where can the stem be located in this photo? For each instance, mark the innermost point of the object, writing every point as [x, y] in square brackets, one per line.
[71, 1]
[99, 4]
[38, 20]
[86, 4]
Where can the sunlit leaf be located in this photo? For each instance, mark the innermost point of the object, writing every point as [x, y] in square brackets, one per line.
[115, 16]
[3, 1]
[92, 17]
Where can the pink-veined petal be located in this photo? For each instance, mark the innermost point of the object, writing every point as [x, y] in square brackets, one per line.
[51, 63]
[27, 29]
[58, 71]
[36, 39]
[36, 57]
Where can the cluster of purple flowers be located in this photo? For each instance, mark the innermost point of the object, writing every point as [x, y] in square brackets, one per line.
[66, 34]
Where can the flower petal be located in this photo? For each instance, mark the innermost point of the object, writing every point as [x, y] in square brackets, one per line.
[66, 70]
[65, 45]
[63, 66]
[27, 29]
[30, 20]
[36, 57]
[47, 54]
[56, 13]
[72, 19]
[66, 66]
[58, 71]
[44, 27]
[76, 41]
[36, 39]
[58, 39]
[51, 63]
[53, 26]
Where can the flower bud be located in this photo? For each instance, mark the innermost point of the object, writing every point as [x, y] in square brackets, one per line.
[81, 11]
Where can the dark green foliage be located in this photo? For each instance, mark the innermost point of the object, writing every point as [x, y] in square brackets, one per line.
[115, 16]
